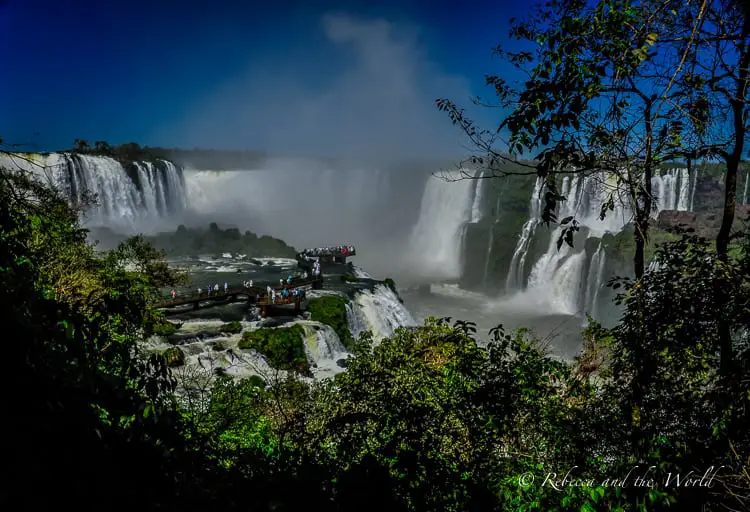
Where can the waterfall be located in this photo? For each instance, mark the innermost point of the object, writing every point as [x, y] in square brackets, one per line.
[381, 312]
[695, 186]
[558, 280]
[744, 193]
[146, 192]
[489, 252]
[436, 239]
[515, 272]
[323, 348]
[355, 320]
[671, 190]
[595, 280]
[476, 207]
[491, 241]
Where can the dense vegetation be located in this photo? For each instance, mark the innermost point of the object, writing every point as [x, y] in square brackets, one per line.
[283, 347]
[652, 416]
[331, 311]
[214, 240]
[426, 420]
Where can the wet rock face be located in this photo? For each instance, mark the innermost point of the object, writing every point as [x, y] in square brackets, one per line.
[705, 224]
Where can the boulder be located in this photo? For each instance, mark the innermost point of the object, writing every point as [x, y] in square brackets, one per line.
[174, 357]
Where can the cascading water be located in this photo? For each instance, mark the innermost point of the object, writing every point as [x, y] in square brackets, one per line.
[436, 239]
[323, 348]
[559, 279]
[594, 281]
[154, 190]
[381, 312]
[744, 193]
[356, 320]
[476, 206]
[671, 191]
[693, 187]
[517, 262]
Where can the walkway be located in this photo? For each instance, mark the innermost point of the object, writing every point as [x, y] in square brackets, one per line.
[234, 293]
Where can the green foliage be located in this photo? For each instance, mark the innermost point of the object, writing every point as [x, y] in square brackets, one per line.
[283, 347]
[79, 373]
[331, 310]
[214, 240]
[390, 283]
[349, 278]
[156, 324]
[233, 327]
[174, 357]
[622, 245]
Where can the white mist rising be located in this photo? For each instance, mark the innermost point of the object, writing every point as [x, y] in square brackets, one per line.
[377, 105]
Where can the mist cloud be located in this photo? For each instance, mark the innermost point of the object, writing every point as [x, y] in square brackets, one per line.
[380, 105]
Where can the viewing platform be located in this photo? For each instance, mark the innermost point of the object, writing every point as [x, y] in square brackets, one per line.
[335, 255]
[253, 295]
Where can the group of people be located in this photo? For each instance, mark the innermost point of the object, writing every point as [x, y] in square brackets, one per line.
[285, 293]
[283, 284]
[214, 289]
[338, 250]
[209, 289]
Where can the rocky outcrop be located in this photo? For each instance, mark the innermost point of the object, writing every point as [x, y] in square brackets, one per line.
[174, 357]
[705, 224]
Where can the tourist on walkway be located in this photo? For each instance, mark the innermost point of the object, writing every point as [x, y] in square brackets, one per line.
[226, 287]
[174, 294]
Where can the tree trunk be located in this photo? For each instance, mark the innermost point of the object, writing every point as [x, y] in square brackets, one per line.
[643, 200]
[738, 103]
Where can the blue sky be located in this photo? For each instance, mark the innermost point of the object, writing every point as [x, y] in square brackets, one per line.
[317, 76]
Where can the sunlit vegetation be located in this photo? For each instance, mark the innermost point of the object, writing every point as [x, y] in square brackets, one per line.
[332, 312]
[652, 416]
[283, 347]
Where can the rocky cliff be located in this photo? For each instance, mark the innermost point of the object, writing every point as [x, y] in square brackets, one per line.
[703, 223]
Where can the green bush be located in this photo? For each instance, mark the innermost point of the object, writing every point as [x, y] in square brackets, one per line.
[283, 347]
[233, 327]
[163, 327]
[332, 312]
[257, 381]
[214, 240]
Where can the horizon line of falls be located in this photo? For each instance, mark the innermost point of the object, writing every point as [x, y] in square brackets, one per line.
[568, 280]
[125, 197]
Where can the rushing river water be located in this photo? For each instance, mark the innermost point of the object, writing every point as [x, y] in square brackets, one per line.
[207, 350]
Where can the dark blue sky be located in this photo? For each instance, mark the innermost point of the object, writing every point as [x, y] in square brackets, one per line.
[309, 74]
